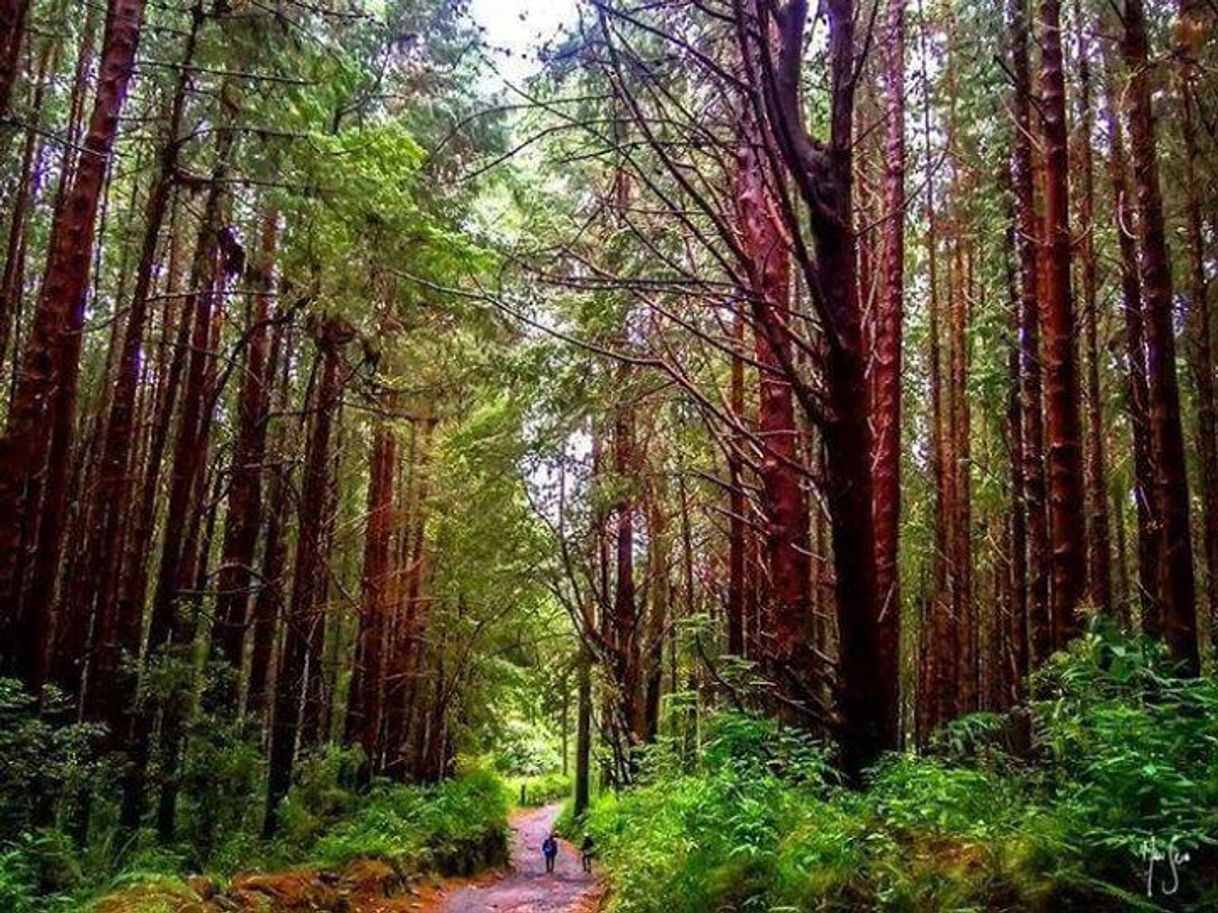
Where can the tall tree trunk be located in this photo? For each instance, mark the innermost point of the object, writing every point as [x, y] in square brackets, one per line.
[1063, 430]
[938, 643]
[583, 733]
[886, 357]
[1135, 351]
[269, 601]
[786, 620]
[175, 572]
[28, 186]
[868, 666]
[245, 488]
[302, 618]
[1201, 351]
[1039, 635]
[1099, 571]
[367, 684]
[961, 546]
[625, 605]
[737, 525]
[1175, 615]
[1016, 666]
[658, 567]
[12, 32]
[45, 396]
[101, 583]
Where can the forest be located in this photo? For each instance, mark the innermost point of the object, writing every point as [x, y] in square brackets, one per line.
[771, 445]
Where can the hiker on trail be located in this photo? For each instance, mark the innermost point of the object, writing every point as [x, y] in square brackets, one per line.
[549, 849]
[587, 850]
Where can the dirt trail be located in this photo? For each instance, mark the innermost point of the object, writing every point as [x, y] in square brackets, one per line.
[526, 887]
[523, 887]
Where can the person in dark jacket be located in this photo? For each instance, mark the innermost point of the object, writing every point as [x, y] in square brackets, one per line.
[549, 849]
[587, 850]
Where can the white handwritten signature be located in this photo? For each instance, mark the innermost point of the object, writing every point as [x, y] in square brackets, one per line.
[1151, 852]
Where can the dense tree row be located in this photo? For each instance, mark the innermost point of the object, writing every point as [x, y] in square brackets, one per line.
[917, 461]
[222, 233]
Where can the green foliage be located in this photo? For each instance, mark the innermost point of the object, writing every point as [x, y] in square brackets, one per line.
[525, 750]
[37, 872]
[43, 752]
[457, 826]
[540, 790]
[320, 799]
[454, 827]
[1123, 753]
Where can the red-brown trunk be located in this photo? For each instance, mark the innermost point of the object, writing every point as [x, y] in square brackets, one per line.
[1135, 351]
[886, 353]
[786, 620]
[12, 31]
[377, 590]
[249, 451]
[303, 620]
[45, 396]
[1175, 615]
[1063, 432]
[1099, 572]
[1031, 400]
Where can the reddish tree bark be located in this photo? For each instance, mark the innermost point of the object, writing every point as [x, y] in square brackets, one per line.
[12, 32]
[937, 648]
[1135, 351]
[786, 619]
[1063, 428]
[45, 396]
[625, 604]
[269, 601]
[243, 518]
[401, 689]
[658, 561]
[1099, 571]
[99, 588]
[886, 355]
[961, 544]
[1175, 615]
[303, 620]
[868, 668]
[28, 185]
[176, 567]
[1016, 665]
[737, 526]
[367, 684]
[1039, 636]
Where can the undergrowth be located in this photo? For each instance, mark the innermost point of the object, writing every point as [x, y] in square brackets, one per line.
[533, 792]
[1122, 765]
[451, 828]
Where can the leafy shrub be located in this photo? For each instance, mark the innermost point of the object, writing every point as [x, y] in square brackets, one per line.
[525, 750]
[541, 790]
[1123, 753]
[454, 827]
[320, 798]
[44, 754]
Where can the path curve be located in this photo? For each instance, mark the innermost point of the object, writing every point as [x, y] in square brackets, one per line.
[525, 887]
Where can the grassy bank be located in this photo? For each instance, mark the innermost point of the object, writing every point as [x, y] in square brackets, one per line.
[1123, 765]
[333, 842]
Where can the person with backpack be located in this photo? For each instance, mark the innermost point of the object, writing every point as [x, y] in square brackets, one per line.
[549, 849]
